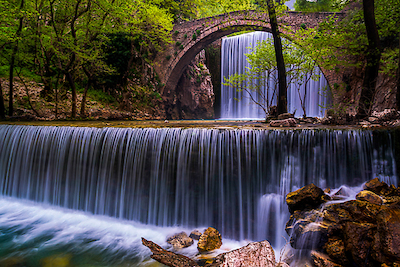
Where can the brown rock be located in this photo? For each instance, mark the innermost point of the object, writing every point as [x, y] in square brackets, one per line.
[209, 240]
[358, 239]
[180, 241]
[307, 197]
[336, 250]
[285, 116]
[291, 122]
[369, 196]
[388, 223]
[322, 260]
[257, 254]
[378, 187]
[195, 235]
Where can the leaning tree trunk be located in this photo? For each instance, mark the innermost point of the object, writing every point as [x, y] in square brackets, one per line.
[282, 84]
[12, 64]
[373, 58]
[2, 108]
[398, 80]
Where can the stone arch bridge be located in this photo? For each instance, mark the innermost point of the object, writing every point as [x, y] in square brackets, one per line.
[190, 37]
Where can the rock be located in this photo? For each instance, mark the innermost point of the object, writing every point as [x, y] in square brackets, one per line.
[167, 257]
[322, 260]
[209, 240]
[195, 235]
[285, 116]
[291, 122]
[378, 187]
[388, 225]
[336, 250]
[253, 255]
[180, 241]
[358, 242]
[307, 197]
[369, 196]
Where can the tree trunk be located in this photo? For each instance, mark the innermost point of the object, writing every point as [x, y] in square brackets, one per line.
[398, 80]
[373, 58]
[12, 64]
[2, 108]
[282, 91]
[73, 89]
[83, 103]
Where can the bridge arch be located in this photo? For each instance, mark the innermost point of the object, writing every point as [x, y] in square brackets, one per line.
[190, 37]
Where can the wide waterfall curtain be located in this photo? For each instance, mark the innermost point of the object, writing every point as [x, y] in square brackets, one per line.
[238, 105]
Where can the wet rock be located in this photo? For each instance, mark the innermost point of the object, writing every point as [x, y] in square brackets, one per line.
[378, 187]
[291, 122]
[322, 260]
[285, 116]
[195, 235]
[358, 242]
[369, 196]
[180, 241]
[307, 197]
[257, 254]
[336, 250]
[388, 224]
[209, 240]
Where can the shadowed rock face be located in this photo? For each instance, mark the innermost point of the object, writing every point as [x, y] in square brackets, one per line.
[361, 232]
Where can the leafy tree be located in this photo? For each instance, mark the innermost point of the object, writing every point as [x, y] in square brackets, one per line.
[260, 81]
[320, 5]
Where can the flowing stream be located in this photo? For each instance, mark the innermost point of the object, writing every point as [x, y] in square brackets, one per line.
[93, 192]
[237, 104]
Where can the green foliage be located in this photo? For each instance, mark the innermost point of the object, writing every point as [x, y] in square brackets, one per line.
[319, 5]
[208, 8]
[178, 43]
[198, 32]
[181, 47]
[300, 68]
[194, 37]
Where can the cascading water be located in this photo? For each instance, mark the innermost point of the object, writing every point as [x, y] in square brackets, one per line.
[98, 190]
[238, 105]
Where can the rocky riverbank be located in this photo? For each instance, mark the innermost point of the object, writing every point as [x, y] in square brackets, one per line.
[364, 231]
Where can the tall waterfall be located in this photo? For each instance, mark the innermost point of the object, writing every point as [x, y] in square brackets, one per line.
[233, 180]
[238, 105]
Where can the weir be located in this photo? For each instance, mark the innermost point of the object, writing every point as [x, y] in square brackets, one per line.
[98, 190]
[237, 104]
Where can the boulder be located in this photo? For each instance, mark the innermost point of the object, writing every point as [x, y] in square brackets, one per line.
[388, 225]
[378, 187]
[358, 239]
[307, 197]
[209, 240]
[369, 196]
[291, 122]
[195, 235]
[336, 250]
[180, 241]
[257, 254]
[285, 116]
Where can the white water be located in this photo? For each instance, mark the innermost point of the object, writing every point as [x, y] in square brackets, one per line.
[112, 186]
[234, 61]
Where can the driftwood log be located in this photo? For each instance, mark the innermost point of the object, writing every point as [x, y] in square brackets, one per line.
[167, 257]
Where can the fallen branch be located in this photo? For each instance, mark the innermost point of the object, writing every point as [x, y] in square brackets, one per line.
[167, 257]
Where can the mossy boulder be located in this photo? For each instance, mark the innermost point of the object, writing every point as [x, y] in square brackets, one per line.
[209, 240]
